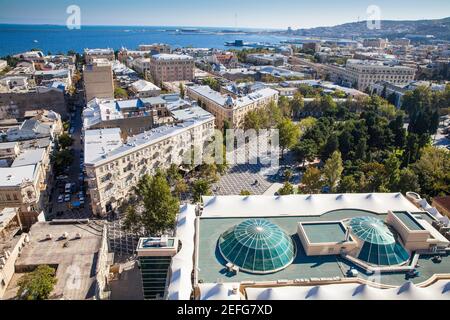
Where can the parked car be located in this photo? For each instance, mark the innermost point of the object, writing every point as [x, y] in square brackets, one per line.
[62, 177]
[60, 198]
[67, 198]
[72, 130]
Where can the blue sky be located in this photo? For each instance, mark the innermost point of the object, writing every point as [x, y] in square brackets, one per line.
[218, 13]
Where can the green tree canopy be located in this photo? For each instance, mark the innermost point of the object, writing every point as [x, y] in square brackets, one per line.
[287, 189]
[312, 181]
[156, 209]
[37, 285]
[332, 170]
[201, 188]
[289, 134]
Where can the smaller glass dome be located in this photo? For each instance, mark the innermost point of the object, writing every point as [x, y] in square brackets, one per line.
[257, 246]
[380, 246]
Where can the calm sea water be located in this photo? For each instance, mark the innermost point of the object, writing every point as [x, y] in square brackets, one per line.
[19, 38]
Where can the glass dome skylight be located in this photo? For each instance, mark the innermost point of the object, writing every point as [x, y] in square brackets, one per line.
[257, 246]
[380, 246]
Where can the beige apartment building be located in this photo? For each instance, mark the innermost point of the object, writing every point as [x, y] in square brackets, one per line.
[155, 48]
[91, 54]
[114, 167]
[226, 109]
[171, 67]
[360, 74]
[98, 80]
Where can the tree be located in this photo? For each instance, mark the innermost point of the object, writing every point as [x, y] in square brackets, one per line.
[433, 170]
[332, 170]
[182, 91]
[156, 209]
[120, 93]
[327, 104]
[297, 104]
[306, 150]
[285, 106]
[180, 187]
[200, 188]
[312, 181]
[422, 107]
[62, 159]
[408, 181]
[348, 184]
[289, 134]
[331, 146]
[173, 174]
[287, 189]
[306, 124]
[273, 114]
[245, 193]
[212, 83]
[65, 140]
[392, 166]
[38, 284]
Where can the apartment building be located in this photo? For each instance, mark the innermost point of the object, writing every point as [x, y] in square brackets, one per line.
[266, 59]
[91, 54]
[225, 108]
[113, 167]
[361, 74]
[3, 65]
[98, 79]
[171, 67]
[155, 48]
[145, 89]
[376, 43]
[141, 65]
[131, 116]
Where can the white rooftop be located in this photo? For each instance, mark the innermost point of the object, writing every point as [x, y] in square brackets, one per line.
[142, 86]
[302, 205]
[167, 56]
[99, 142]
[106, 145]
[29, 157]
[11, 177]
[240, 102]
[353, 291]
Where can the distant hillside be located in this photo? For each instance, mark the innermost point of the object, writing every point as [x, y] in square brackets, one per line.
[389, 28]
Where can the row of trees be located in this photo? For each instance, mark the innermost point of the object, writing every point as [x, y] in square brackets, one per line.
[378, 153]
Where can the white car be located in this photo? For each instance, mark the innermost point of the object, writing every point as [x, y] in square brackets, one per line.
[60, 198]
[67, 198]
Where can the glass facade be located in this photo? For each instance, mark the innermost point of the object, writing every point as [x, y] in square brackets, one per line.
[257, 246]
[380, 245]
[154, 271]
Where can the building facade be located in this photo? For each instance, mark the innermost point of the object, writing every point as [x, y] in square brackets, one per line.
[114, 167]
[228, 110]
[363, 73]
[98, 80]
[91, 54]
[171, 67]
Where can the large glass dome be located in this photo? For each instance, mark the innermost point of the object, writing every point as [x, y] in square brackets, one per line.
[380, 246]
[257, 246]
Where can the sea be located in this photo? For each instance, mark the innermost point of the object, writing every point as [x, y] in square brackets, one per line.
[56, 39]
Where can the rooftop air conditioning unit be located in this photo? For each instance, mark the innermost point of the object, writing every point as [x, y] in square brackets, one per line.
[49, 236]
[78, 236]
[65, 235]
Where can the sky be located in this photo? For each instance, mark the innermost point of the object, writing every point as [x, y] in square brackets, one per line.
[279, 14]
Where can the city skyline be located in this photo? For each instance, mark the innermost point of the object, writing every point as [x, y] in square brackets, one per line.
[197, 13]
